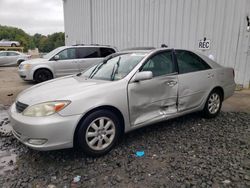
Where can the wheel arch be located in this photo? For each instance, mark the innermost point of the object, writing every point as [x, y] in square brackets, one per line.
[19, 61]
[113, 109]
[220, 89]
[42, 68]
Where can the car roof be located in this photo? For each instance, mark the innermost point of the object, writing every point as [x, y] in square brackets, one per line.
[92, 45]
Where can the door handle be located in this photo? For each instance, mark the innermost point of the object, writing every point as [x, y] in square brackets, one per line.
[210, 75]
[171, 83]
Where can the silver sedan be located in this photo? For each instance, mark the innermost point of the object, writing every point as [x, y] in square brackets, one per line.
[12, 58]
[5, 42]
[128, 90]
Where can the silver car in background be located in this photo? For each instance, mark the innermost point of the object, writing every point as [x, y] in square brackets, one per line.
[5, 42]
[8, 58]
[126, 91]
[64, 61]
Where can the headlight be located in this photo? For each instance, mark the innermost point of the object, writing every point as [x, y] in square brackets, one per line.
[45, 109]
[24, 66]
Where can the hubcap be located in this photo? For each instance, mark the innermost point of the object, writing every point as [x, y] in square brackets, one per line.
[100, 133]
[214, 103]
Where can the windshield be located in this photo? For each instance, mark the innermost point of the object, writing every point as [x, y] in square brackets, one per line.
[53, 52]
[115, 68]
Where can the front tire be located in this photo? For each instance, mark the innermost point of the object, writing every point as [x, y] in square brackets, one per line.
[213, 104]
[42, 75]
[13, 45]
[98, 133]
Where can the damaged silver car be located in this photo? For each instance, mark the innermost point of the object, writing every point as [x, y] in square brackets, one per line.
[126, 91]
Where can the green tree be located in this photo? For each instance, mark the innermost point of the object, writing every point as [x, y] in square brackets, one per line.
[42, 42]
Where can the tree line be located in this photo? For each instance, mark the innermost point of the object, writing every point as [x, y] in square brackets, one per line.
[42, 42]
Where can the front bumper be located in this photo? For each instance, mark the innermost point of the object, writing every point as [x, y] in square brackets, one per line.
[25, 74]
[56, 130]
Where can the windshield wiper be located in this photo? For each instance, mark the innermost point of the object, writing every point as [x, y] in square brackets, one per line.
[115, 69]
[95, 70]
[79, 74]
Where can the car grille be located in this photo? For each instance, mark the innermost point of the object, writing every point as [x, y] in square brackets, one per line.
[20, 107]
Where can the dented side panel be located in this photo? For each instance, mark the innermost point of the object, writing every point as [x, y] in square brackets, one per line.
[153, 99]
[193, 88]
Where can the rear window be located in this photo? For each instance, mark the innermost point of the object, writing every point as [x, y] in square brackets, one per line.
[12, 54]
[88, 52]
[94, 52]
[106, 51]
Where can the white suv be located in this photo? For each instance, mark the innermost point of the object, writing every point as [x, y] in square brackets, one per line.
[64, 61]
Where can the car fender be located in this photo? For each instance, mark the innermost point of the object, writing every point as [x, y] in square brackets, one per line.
[35, 68]
[92, 100]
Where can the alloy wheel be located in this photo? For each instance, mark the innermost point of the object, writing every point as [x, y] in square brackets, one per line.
[100, 133]
[214, 103]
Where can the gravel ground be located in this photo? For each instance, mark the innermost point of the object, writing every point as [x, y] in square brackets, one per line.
[185, 152]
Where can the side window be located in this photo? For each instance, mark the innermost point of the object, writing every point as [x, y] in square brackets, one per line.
[12, 54]
[88, 52]
[189, 62]
[106, 51]
[160, 64]
[69, 53]
[3, 54]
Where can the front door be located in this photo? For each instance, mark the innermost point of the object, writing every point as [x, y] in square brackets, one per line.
[152, 100]
[67, 63]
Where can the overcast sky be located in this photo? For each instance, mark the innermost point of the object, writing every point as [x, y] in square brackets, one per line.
[33, 16]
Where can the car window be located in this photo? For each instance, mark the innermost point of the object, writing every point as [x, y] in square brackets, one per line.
[12, 54]
[189, 62]
[115, 68]
[160, 64]
[69, 53]
[88, 52]
[106, 51]
[3, 53]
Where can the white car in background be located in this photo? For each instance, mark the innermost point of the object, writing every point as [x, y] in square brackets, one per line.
[8, 58]
[63, 61]
[5, 42]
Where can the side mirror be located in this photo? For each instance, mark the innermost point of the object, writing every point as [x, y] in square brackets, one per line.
[144, 75]
[56, 57]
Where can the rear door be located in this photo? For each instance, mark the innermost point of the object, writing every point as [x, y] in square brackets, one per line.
[88, 56]
[12, 57]
[67, 63]
[154, 99]
[196, 79]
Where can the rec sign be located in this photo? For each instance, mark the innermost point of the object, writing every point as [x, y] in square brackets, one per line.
[204, 44]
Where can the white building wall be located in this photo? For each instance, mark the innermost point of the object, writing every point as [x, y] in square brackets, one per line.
[177, 23]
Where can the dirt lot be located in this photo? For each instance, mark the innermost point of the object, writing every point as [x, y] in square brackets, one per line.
[186, 152]
[11, 84]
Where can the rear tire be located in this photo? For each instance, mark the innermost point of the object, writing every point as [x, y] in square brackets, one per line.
[42, 75]
[13, 45]
[213, 104]
[98, 133]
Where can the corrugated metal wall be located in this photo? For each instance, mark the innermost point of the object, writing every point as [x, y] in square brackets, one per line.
[177, 23]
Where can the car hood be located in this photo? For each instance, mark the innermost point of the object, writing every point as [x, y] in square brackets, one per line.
[36, 61]
[57, 89]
